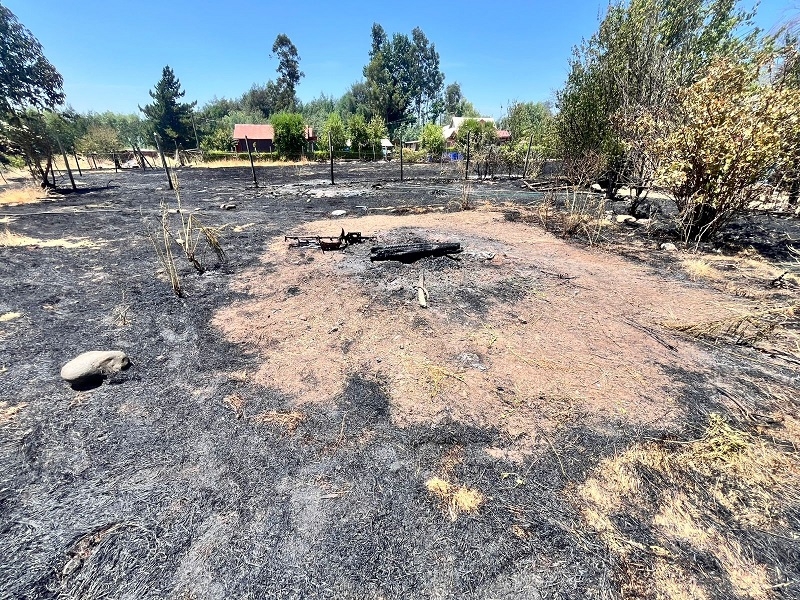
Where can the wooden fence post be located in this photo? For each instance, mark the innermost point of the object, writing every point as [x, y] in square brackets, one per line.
[163, 161]
[77, 164]
[252, 166]
[330, 151]
[66, 164]
[401, 158]
[466, 171]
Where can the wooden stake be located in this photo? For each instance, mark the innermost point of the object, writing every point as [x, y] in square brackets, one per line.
[527, 157]
[77, 164]
[252, 166]
[66, 164]
[401, 158]
[163, 161]
[330, 151]
[466, 171]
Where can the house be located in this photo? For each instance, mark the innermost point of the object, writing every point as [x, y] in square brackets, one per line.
[261, 137]
[450, 131]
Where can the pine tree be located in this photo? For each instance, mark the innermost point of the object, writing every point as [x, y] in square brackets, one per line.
[170, 119]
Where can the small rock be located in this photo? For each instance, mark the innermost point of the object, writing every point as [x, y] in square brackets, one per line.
[227, 206]
[625, 219]
[396, 466]
[668, 246]
[338, 213]
[96, 363]
[643, 222]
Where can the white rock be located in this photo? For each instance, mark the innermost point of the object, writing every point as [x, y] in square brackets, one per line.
[668, 246]
[95, 363]
[338, 213]
[625, 219]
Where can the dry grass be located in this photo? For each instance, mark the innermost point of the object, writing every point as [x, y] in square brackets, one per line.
[744, 328]
[702, 497]
[9, 239]
[9, 412]
[286, 420]
[9, 316]
[23, 195]
[699, 269]
[455, 499]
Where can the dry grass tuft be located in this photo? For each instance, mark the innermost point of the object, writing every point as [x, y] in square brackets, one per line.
[9, 239]
[8, 412]
[721, 496]
[9, 316]
[455, 499]
[287, 420]
[699, 269]
[745, 328]
[23, 195]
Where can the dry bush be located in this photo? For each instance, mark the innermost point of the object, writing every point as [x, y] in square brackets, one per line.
[698, 269]
[721, 496]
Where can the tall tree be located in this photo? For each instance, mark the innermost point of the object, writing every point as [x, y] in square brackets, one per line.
[28, 83]
[403, 77]
[169, 118]
[289, 73]
[27, 79]
[642, 52]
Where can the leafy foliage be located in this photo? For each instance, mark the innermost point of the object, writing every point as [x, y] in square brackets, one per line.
[403, 77]
[289, 134]
[99, 139]
[169, 118]
[289, 73]
[335, 127]
[727, 136]
[432, 140]
[358, 131]
[27, 79]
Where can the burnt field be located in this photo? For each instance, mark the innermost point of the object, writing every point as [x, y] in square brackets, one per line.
[576, 414]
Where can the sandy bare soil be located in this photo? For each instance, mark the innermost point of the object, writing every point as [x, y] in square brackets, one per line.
[564, 420]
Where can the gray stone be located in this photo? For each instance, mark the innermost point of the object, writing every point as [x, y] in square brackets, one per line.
[643, 222]
[338, 213]
[96, 363]
[227, 206]
[668, 246]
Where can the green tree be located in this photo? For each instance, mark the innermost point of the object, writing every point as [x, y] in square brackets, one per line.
[432, 140]
[355, 101]
[169, 118]
[403, 77]
[335, 126]
[377, 131]
[100, 139]
[28, 83]
[316, 111]
[290, 132]
[358, 131]
[456, 105]
[525, 118]
[642, 52]
[289, 73]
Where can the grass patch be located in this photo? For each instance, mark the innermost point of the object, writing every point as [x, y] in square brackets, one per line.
[9, 316]
[23, 195]
[286, 420]
[699, 269]
[743, 329]
[9, 239]
[9, 412]
[455, 499]
[694, 519]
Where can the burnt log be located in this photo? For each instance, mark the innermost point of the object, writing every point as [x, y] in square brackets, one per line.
[408, 253]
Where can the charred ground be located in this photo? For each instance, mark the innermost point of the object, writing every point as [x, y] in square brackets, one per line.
[186, 476]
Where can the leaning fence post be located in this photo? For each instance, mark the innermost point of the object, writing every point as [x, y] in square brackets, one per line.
[77, 164]
[466, 171]
[250, 155]
[163, 161]
[66, 163]
[330, 151]
[527, 157]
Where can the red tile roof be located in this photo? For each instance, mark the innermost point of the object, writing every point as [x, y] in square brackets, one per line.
[253, 132]
[503, 134]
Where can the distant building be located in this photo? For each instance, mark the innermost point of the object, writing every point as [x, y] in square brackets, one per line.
[261, 137]
[450, 131]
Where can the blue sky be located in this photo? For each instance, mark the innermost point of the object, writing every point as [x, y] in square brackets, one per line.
[111, 52]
